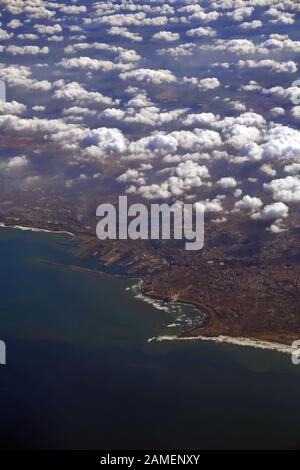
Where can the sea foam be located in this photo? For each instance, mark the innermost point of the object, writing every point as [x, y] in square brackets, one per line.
[239, 341]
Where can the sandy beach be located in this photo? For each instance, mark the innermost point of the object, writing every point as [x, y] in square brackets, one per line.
[33, 229]
[248, 342]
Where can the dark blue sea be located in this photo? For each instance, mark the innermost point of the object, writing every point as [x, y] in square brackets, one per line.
[81, 374]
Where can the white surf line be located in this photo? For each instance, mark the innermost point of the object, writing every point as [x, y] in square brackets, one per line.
[239, 341]
[34, 229]
[177, 309]
[137, 294]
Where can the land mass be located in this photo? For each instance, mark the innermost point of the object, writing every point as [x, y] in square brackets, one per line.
[245, 279]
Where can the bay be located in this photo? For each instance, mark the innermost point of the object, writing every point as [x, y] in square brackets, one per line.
[81, 373]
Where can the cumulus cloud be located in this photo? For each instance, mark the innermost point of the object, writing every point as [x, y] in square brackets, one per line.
[73, 9]
[87, 63]
[227, 182]
[249, 203]
[199, 139]
[48, 29]
[12, 107]
[156, 77]
[279, 67]
[285, 189]
[282, 143]
[255, 24]
[132, 175]
[201, 119]
[166, 36]
[103, 141]
[27, 50]
[277, 210]
[21, 78]
[201, 31]
[75, 93]
[123, 32]
[16, 163]
[182, 99]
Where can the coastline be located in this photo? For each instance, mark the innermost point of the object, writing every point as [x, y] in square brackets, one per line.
[220, 339]
[35, 229]
[237, 341]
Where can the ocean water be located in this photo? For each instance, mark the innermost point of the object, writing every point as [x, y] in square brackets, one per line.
[82, 374]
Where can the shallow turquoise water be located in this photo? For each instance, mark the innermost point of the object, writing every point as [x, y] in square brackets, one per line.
[81, 374]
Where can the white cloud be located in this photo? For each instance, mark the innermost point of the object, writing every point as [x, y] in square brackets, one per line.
[27, 50]
[166, 36]
[75, 93]
[73, 9]
[12, 107]
[17, 162]
[155, 77]
[123, 32]
[255, 24]
[89, 64]
[279, 67]
[201, 31]
[285, 189]
[201, 119]
[132, 176]
[48, 29]
[283, 143]
[277, 210]
[103, 141]
[249, 203]
[227, 182]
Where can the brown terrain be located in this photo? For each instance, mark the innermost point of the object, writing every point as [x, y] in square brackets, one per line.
[245, 279]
